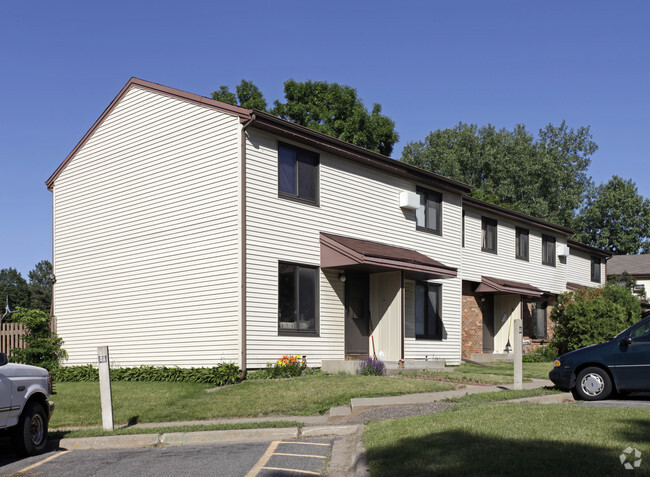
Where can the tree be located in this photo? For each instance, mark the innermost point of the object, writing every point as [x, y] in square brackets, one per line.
[593, 315]
[44, 347]
[615, 218]
[330, 108]
[248, 96]
[544, 177]
[14, 285]
[40, 286]
[337, 110]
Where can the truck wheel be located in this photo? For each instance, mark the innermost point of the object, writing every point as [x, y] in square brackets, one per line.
[593, 384]
[30, 435]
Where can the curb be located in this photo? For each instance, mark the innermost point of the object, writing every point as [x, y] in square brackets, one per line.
[174, 439]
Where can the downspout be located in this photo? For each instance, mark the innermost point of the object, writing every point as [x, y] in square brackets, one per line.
[242, 189]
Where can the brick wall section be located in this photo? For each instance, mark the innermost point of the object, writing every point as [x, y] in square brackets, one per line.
[472, 322]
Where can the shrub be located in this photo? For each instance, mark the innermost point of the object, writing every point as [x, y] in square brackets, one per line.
[44, 348]
[592, 315]
[542, 354]
[225, 373]
[372, 367]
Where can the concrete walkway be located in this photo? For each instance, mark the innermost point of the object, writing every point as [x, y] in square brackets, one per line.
[347, 452]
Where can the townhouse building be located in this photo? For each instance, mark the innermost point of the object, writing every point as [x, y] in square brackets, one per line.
[188, 232]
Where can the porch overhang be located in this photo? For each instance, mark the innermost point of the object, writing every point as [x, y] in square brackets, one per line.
[498, 285]
[363, 255]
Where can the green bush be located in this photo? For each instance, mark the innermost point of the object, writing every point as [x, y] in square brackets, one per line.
[44, 348]
[225, 373]
[542, 354]
[592, 315]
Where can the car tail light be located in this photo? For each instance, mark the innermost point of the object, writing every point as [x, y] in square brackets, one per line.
[50, 383]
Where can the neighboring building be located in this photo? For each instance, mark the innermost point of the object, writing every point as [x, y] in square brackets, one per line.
[638, 267]
[188, 232]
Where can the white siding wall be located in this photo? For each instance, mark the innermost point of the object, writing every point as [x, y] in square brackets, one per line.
[503, 264]
[579, 269]
[146, 237]
[355, 201]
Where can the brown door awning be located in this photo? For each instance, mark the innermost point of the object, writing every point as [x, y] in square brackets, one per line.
[497, 285]
[344, 252]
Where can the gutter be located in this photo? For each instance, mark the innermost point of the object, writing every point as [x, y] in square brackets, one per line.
[242, 189]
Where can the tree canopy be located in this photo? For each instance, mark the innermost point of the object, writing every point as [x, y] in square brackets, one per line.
[545, 177]
[40, 286]
[615, 218]
[12, 284]
[330, 108]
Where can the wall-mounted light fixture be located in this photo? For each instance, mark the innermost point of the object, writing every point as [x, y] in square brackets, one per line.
[342, 277]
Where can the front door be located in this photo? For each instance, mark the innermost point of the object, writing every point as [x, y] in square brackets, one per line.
[356, 314]
[488, 324]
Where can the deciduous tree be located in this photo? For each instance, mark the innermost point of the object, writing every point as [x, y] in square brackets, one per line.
[330, 108]
[40, 286]
[615, 218]
[545, 176]
[14, 285]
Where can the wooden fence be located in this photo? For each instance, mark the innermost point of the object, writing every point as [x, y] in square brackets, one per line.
[11, 335]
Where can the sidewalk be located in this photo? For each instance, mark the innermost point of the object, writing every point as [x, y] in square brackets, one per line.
[347, 451]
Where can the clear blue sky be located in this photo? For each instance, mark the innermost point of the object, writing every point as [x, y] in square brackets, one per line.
[431, 64]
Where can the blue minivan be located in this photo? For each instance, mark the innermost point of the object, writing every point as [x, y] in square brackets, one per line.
[620, 365]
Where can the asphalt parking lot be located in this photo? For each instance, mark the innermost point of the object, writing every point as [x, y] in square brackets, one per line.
[297, 457]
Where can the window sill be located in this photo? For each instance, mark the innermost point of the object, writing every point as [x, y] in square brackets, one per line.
[525, 259]
[488, 250]
[428, 338]
[285, 332]
[429, 231]
[295, 198]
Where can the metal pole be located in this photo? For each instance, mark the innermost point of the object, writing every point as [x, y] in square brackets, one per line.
[519, 336]
[105, 387]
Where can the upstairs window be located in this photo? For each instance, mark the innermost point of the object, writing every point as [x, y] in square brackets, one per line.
[428, 321]
[297, 173]
[521, 245]
[297, 299]
[595, 269]
[548, 250]
[489, 235]
[428, 216]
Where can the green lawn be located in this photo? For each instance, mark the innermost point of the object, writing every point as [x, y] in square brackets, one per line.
[77, 404]
[509, 439]
[496, 373]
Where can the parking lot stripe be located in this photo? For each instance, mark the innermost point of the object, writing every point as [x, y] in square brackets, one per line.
[301, 455]
[308, 472]
[264, 459]
[59, 454]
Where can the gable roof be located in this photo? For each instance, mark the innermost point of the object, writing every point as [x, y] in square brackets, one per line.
[283, 128]
[583, 247]
[636, 265]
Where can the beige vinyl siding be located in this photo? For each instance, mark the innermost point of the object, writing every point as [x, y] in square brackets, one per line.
[355, 201]
[503, 264]
[146, 236]
[579, 269]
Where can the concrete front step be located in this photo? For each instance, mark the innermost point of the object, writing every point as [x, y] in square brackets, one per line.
[393, 367]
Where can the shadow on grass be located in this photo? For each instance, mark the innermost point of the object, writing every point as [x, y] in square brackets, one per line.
[456, 453]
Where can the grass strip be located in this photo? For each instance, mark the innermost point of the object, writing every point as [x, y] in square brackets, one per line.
[95, 432]
[509, 439]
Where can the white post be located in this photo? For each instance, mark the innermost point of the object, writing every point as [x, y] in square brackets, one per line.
[105, 387]
[518, 345]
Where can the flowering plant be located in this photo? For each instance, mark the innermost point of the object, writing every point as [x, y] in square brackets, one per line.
[372, 367]
[286, 367]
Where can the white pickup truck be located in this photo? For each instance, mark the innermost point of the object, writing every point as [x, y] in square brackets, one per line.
[25, 408]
